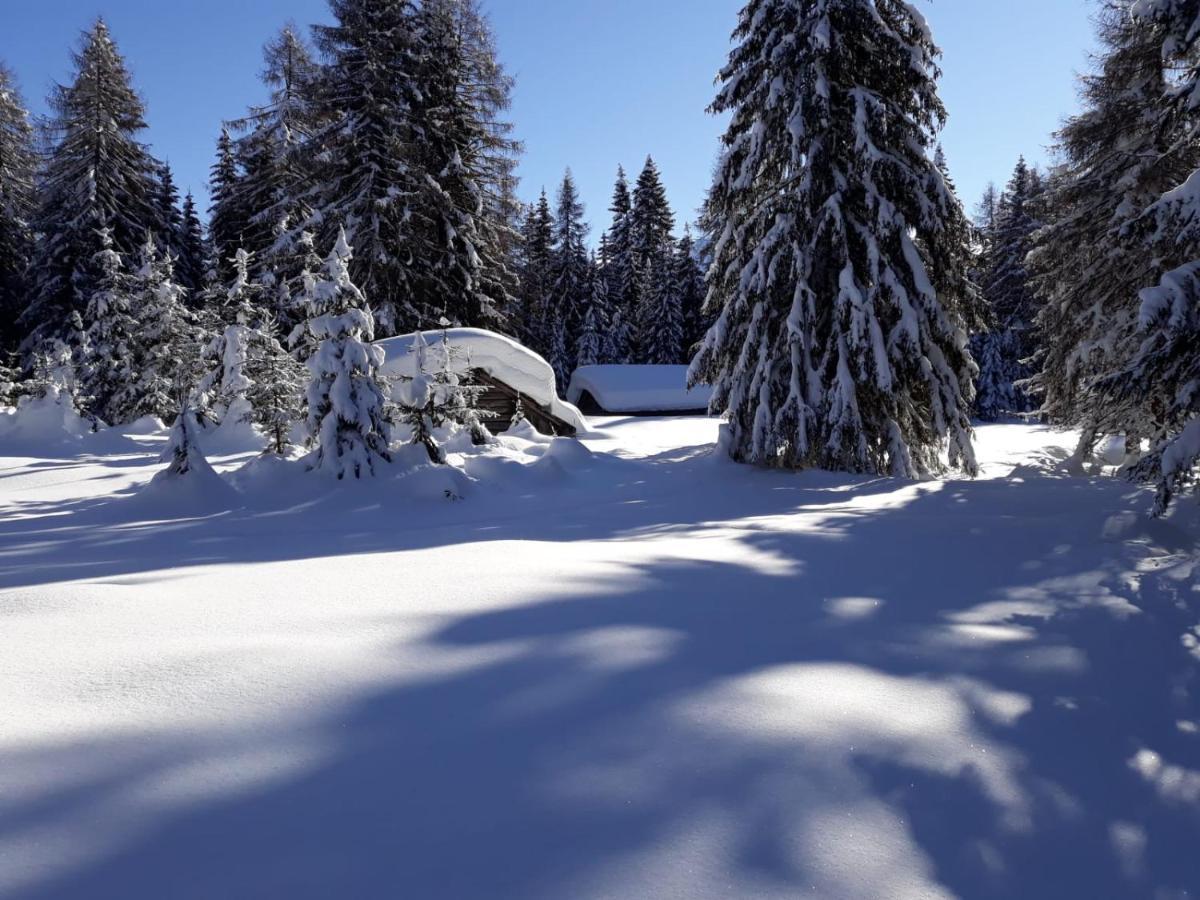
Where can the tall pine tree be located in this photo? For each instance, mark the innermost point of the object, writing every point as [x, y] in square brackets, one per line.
[1005, 350]
[108, 365]
[273, 150]
[189, 267]
[831, 347]
[688, 276]
[537, 277]
[98, 176]
[229, 215]
[1088, 260]
[619, 263]
[18, 166]
[570, 289]
[1163, 373]
[650, 224]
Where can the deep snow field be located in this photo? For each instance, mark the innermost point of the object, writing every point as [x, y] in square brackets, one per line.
[634, 672]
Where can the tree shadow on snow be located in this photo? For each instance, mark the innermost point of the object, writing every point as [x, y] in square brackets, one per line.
[851, 724]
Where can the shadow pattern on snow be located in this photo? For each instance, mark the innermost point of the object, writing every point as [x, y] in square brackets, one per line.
[871, 718]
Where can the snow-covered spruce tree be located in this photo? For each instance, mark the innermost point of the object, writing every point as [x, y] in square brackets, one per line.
[227, 386]
[18, 164]
[688, 277]
[618, 339]
[1004, 351]
[508, 211]
[277, 385]
[415, 155]
[11, 388]
[594, 323]
[660, 314]
[1088, 261]
[368, 183]
[441, 393]
[228, 216]
[955, 263]
[983, 232]
[167, 343]
[189, 264]
[618, 261]
[1164, 370]
[537, 274]
[831, 347]
[465, 150]
[170, 217]
[274, 152]
[345, 403]
[300, 341]
[97, 176]
[108, 366]
[182, 453]
[571, 289]
[651, 223]
[421, 407]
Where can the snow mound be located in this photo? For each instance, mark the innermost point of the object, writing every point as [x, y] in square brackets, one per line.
[188, 485]
[269, 474]
[501, 357]
[198, 491]
[639, 389]
[524, 430]
[144, 426]
[235, 434]
[430, 482]
[572, 455]
[47, 423]
[1112, 450]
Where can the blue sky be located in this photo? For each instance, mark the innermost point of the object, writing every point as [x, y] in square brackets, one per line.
[599, 82]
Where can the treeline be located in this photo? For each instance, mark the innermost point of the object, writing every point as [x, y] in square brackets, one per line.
[391, 128]
[637, 299]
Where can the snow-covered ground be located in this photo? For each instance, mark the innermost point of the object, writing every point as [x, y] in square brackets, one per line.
[639, 672]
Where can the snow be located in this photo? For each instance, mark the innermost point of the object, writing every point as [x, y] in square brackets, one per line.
[501, 357]
[616, 667]
[625, 389]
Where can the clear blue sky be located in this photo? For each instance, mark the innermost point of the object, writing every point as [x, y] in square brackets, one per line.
[599, 82]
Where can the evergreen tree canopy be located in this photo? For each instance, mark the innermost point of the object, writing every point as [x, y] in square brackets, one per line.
[98, 176]
[537, 276]
[831, 346]
[1164, 371]
[109, 366]
[416, 154]
[1004, 351]
[228, 215]
[18, 165]
[1089, 260]
[272, 174]
[688, 278]
[189, 267]
[345, 402]
[570, 272]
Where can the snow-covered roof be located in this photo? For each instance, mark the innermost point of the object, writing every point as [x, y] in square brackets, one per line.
[625, 389]
[501, 357]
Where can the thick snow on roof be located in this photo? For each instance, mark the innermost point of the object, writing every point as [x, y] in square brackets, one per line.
[621, 389]
[501, 357]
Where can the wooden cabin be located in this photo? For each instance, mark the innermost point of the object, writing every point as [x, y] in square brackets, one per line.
[500, 400]
[506, 370]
